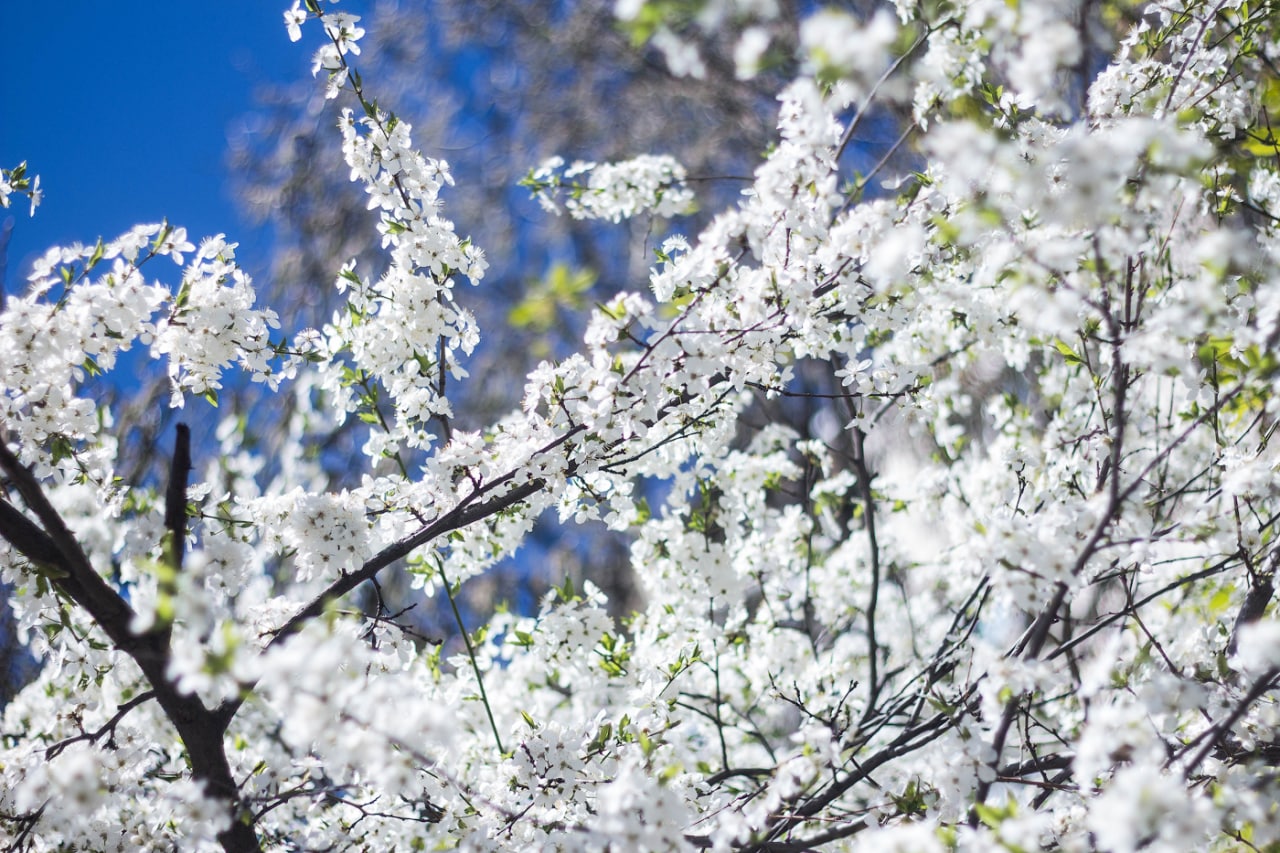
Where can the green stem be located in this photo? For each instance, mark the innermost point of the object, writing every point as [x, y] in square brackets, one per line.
[471, 653]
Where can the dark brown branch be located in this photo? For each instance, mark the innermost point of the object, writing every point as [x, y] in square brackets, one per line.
[464, 514]
[28, 539]
[1102, 623]
[1255, 604]
[749, 772]
[1033, 642]
[467, 512]
[1219, 730]
[1040, 764]
[56, 547]
[907, 742]
[175, 498]
[869, 522]
[107, 728]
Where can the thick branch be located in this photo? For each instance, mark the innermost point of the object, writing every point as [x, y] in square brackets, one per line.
[1255, 604]
[175, 498]
[56, 547]
[28, 539]
[56, 550]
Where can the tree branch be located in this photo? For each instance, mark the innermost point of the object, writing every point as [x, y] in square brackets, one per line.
[109, 727]
[175, 498]
[200, 730]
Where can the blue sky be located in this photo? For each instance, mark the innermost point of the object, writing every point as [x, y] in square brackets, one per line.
[123, 108]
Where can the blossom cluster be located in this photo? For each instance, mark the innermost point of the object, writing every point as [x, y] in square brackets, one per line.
[15, 180]
[53, 349]
[614, 191]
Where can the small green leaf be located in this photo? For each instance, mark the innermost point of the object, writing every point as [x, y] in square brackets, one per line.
[1067, 352]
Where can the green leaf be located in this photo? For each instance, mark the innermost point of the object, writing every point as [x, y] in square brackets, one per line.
[1220, 601]
[643, 512]
[562, 287]
[1067, 352]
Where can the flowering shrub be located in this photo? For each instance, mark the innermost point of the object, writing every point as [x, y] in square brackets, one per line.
[1015, 594]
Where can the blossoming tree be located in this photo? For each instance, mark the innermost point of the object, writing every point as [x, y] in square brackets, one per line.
[1017, 597]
